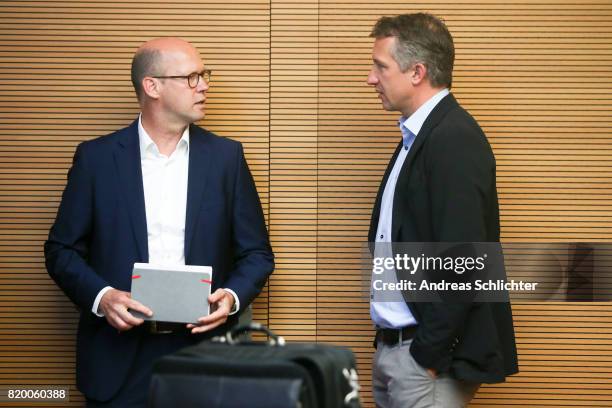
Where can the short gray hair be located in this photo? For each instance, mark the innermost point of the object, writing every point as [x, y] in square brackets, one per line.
[420, 37]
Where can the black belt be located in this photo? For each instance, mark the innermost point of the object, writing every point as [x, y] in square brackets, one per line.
[154, 327]
[392, 337]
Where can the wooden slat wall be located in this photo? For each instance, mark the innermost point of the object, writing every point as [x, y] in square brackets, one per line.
[64, 78]
[293, 167]
[289, 82]
[537, 76]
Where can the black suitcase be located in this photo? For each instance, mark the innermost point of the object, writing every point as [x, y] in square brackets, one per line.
[230, 372]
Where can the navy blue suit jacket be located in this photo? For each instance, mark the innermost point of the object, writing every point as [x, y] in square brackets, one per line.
[101, 231]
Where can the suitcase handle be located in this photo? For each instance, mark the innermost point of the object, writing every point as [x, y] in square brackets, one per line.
[233, 336]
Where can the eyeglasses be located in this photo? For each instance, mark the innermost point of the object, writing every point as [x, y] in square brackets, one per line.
[192, 79]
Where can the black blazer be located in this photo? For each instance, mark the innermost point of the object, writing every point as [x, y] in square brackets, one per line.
[446, 192]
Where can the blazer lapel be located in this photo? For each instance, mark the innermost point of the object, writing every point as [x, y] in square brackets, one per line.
[127, 160]
[199, 165]
[436, 115]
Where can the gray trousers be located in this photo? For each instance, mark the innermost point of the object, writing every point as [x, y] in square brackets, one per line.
[398, 381]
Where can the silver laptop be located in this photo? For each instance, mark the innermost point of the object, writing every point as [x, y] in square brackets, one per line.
[177, 293]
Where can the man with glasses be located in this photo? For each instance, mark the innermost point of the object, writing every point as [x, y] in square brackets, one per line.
[162, 191]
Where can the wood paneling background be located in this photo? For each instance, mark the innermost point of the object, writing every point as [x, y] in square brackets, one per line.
[289, 83]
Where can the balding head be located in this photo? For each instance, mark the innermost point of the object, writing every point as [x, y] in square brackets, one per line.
[151, 59]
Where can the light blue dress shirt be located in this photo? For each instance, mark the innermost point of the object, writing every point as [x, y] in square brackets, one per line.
[394, 312]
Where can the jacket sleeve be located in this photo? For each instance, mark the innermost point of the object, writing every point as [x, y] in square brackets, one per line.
[66, 249]
[253, 257]
[461, 176]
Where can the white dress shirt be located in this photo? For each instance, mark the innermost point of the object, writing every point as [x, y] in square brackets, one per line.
[164, 179]
[165, 192]
[394, 312]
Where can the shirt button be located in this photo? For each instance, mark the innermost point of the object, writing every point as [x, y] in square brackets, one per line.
[381, 236]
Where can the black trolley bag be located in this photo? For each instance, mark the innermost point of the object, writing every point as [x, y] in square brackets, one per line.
[234, 372]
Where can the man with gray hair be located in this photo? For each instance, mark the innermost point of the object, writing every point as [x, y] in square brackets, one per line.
[439, 187]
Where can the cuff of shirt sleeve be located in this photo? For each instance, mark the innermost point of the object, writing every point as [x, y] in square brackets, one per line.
[96, 303]
[236, 307]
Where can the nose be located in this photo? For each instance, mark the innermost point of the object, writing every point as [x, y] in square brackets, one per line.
[202, 85]
[372, 78]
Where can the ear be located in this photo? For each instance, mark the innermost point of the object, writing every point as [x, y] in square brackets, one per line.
[420, 73]
[151, 87]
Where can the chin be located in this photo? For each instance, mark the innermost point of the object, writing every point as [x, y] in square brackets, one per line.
[386, 105]
[198, 117]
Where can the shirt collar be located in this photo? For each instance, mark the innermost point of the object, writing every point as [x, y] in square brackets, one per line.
[147, 143]
[414, 122]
